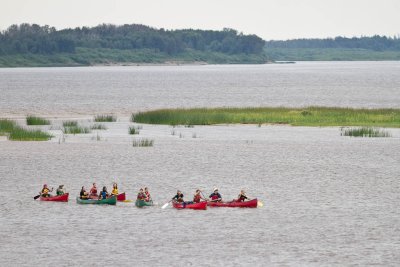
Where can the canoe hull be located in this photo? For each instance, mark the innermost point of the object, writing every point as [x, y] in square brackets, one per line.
[121, 197]
[235, 204]
[142, 203]
[194, 206]
[62, 198]
[107, 201]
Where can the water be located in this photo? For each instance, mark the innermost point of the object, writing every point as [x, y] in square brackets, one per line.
[328, 200]
[122, 90]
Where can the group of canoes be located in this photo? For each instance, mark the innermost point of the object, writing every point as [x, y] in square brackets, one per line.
[144, 198]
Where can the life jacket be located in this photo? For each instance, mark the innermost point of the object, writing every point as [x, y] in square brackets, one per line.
[215, 196]
[196, 198]
[141, 196]
[147, 194]
[115, 191]
[45, 191]
[93, 191]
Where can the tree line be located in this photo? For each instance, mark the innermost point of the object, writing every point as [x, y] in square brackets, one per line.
[32, 38]
[376, 43]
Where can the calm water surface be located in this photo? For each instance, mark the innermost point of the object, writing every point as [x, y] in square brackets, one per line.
[328, 200]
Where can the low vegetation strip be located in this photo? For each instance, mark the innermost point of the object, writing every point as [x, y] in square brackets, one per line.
[33, 120]
[310, 116]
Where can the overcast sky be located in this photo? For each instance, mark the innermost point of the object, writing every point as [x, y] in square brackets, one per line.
[270, 19]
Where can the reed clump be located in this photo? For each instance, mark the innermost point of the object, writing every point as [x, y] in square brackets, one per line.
[143, 142]
[364, 132]
[6, 126]
[134, 129]
[17, 133]
[98, 127]
[70, 123]
[33, 120]
[310, 116]
[76, 130]
[105, 118]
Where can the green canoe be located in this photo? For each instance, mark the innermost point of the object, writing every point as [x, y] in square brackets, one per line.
[142, 203]
[109, 201]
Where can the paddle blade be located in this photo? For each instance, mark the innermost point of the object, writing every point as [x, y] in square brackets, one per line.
[128, 200]
[36, 197]
[165, 205]
[260, 204]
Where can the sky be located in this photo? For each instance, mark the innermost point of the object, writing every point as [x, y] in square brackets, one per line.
[269, 19]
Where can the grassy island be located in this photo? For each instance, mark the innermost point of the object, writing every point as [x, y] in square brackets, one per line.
[17, 133]
[309, 116]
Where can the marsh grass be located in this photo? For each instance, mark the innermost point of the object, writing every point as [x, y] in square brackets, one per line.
[98, 127]
[76, 130]
[17, 133]
[105, 118]
[6, 126]
[33, 120]
[134, 130]
[22, 134]
[310, 116]
[364, 132]
[143, 142]
[70, 123]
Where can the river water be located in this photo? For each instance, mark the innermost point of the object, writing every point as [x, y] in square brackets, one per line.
[328, 200]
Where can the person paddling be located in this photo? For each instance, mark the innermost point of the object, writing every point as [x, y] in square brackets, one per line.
[93, 191]
[198, 197]
[242, 196]
[141, 195]
[84, 194]
[60, 190]
[178, 197]
[114, 191]
[46, 191]
[215, 196]
[147, 193]
[103, 193]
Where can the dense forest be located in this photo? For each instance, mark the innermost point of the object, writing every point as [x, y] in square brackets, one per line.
[35, 39]
[375, 43]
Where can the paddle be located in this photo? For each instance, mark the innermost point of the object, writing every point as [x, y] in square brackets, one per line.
[36, 197]
[166, 204]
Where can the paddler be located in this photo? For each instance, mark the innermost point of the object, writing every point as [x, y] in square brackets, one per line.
[141, 195]
[242, 196]
[198, 197]
[84, 194]
[93, 191]
[178, 197]
[60, 190]
[46, 191]
[147, 193]
[215, 196]
[103, 193]
[114, 191]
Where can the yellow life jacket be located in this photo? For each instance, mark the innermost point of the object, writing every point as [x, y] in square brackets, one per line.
[114, 191]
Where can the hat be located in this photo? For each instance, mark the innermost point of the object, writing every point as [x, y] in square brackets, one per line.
[215, 189]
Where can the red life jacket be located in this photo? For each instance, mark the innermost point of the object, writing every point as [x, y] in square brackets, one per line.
[214, 197]
[93, 191]
[196, 198]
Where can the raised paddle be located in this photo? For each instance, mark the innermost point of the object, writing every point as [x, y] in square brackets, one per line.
[166, 204]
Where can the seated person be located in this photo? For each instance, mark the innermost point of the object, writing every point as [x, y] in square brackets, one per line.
[215, 197]
[60, 190]
[103, 193]
[84, 194]
[141, 195]
[46, 191]
[198, 197]
[93, 191]
[114, 191]
[147, 193]
[242, 196]
[178, 197]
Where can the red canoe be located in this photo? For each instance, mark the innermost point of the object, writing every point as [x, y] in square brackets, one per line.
[234, 204]
[62, 198]
[121, 197]
[195, 206]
